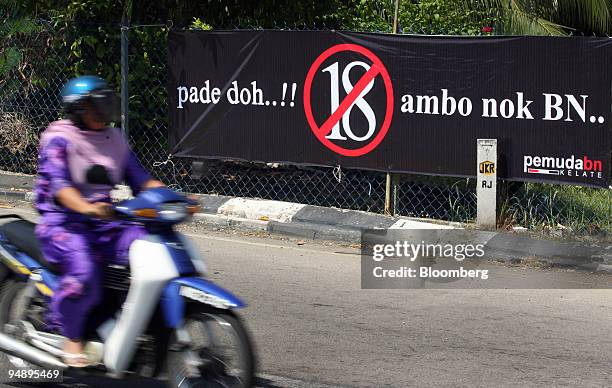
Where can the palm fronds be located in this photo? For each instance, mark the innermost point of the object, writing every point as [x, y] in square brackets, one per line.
[547, 17]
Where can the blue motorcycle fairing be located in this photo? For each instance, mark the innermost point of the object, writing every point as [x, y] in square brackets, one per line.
[198, 290]
[49, 279]
[179, 254]
[22, 259]
[26, 265]
[152, 199]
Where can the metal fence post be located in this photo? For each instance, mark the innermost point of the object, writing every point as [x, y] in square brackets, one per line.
[389, 202]
[395, 15]
[124, 77]
[391, 186]
[391, 193]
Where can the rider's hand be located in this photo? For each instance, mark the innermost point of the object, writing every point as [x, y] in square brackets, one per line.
[101, 210]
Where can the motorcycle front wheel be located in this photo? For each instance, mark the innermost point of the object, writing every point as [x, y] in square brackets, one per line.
[213, 350]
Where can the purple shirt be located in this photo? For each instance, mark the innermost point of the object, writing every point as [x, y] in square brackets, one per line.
[90, 161]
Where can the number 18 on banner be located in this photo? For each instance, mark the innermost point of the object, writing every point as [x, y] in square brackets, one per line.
[336, 132]
[359, 102]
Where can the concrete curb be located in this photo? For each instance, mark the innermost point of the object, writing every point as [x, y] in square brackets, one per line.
[320, 223]
[219, 221]
[20, 195]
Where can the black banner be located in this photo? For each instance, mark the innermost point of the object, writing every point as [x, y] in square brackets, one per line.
[394, 102]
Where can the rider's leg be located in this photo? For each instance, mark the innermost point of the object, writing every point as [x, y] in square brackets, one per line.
[80, 285]
[119, 240]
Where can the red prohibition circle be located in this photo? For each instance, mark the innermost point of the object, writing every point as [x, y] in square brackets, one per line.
[382, 71]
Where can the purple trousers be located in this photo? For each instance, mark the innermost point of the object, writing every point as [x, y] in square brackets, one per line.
[81, 251]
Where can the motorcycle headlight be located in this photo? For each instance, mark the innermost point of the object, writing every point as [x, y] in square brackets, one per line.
[173, 212]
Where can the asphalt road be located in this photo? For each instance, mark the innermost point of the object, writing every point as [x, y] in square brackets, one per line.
[314, 326]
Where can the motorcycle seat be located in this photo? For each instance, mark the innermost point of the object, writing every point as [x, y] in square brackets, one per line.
[20, 233]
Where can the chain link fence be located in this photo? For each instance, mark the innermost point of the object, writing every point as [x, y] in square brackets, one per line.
[27, 104]
[29, 101]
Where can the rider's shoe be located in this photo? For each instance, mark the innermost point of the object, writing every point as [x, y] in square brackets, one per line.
[76, 360]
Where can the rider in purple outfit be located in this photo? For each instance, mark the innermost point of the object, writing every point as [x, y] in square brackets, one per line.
[80, 160]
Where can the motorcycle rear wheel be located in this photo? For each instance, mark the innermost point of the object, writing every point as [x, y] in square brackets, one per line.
[203, 360]
[13, 307]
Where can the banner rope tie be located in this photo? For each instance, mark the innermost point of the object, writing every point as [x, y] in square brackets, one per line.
[338, 173]
[173, 186]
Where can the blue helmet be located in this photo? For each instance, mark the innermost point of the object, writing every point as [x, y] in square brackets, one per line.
[92, 94]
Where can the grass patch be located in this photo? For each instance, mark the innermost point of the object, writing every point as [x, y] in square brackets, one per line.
[579, 211]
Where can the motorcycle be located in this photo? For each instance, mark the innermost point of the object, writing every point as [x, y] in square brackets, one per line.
[159, 317]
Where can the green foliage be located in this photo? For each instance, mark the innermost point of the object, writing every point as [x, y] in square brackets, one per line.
[445, 17]
[12, 27]
[364, 15]
[198, 24]
[10, 57]
[83, 37]
[584, 210]
[148, 69]
[96, 52]
[548, 17]
[10, 54]
[551, 17]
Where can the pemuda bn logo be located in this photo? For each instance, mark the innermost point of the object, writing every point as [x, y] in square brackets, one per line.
[572, 166]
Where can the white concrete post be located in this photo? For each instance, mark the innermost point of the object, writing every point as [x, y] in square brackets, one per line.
[486, 182]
